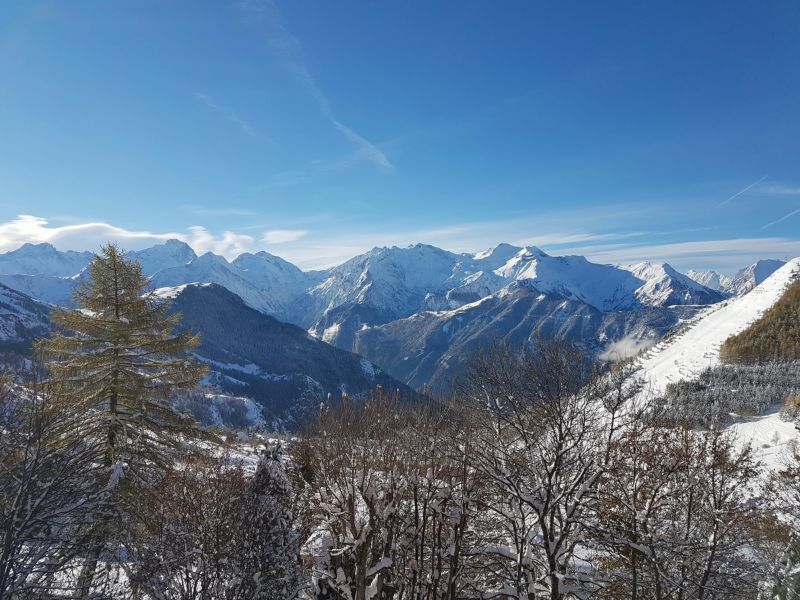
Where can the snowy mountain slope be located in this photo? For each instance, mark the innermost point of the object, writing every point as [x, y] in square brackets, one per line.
[696, 348]
[43, 259]
[390, 284]
[664, 286]
[212, 268]
[277, 364]
[170, 254]
[494, 258]
[282, 281]
[379, 286]
[49, 289]
[749, 277]
[604, 287]
[265, 282]
[710, 279]
[394, 280]
[22, 319]
[249, 354]
[49, 275]
[216, 409]
[387, 284]
[430, 347]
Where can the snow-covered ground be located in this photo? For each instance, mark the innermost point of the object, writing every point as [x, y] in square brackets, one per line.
[696, 348]
[688, 353]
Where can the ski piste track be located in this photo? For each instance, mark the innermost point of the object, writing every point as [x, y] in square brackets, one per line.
[688, 353]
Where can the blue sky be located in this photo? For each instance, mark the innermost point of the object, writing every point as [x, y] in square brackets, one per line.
[316, 130]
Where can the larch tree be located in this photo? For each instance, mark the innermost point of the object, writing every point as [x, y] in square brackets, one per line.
[116, 359]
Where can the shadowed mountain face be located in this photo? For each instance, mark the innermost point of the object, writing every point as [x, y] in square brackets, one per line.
[433, 347]
[22, 320]
[279, 365]
[283, 369]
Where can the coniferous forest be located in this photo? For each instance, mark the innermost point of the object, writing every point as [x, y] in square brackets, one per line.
[774, 337]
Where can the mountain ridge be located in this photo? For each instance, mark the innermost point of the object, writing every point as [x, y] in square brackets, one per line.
[388, 292]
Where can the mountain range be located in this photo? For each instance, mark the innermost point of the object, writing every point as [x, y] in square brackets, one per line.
[250, 355]
[417, 312]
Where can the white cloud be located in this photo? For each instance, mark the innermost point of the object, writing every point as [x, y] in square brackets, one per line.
[29, 228]
[627, 347]
[91, 236]
[283, 236]
[781, 190]
[229, 244]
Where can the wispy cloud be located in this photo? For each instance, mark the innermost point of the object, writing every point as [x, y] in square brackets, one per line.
[780, 190]
[227, 113]
[91, 236]
[782, 219]
[220, 212]
[742, 191]
[283, 236]
[335, 245]
[560, 239]
[722, 254]
[229, 244]
[290, 51]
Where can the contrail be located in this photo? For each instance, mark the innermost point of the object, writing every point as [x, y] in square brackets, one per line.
[740, 192]
[783, 218]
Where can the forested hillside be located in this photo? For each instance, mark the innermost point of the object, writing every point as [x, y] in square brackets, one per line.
[775, 336]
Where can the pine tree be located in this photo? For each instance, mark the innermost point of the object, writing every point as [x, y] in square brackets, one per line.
[117, 359]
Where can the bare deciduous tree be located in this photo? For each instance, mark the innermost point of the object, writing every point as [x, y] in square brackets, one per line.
[48, 497]
[677, 517]
[541, 433]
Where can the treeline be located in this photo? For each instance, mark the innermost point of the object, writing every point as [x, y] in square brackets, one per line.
[773, 337]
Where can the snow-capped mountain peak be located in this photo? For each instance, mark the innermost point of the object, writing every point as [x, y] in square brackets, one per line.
[493, 258]
[262, 263]
[172, 253]
[752, 276]
[711, 279]
[603, 286]
[43, 259]
[663, 285]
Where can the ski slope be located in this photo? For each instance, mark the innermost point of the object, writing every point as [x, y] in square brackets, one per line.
[687, 354]
[696, 348]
